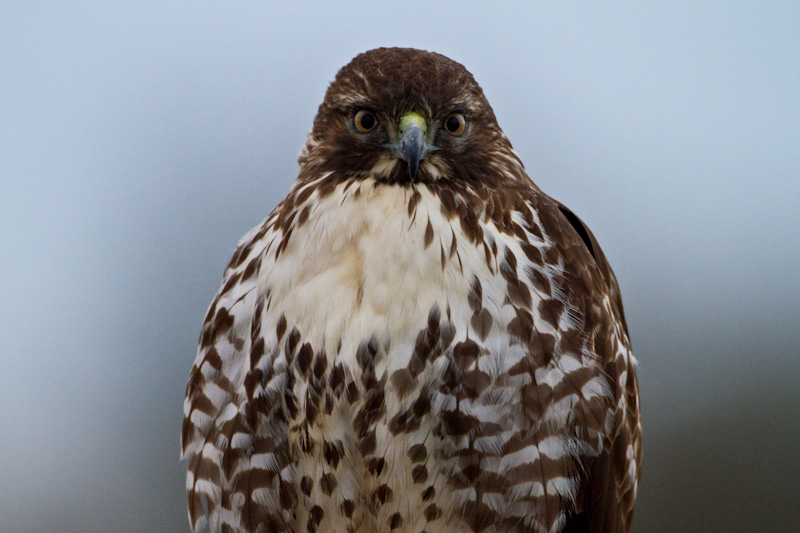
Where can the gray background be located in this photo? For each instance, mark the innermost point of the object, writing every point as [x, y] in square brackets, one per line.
[138, 144]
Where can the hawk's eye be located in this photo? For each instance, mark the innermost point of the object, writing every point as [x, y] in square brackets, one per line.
[455, 124]
[365, 121]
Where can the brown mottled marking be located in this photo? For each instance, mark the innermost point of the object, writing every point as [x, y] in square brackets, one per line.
[413, 201]
[281, 327]
[348, 506]
[551, 255]
[213, 359]
[422, 406]
[320, 365]
[540, 281]
[403, 382]
[306, 485]
[428, 234]
[303, 216]
[398, 423]
[304, 357]
[352, 393]
[457, 423]
[304, 437]
[303, 195]
[419, 474]
[222, 323]
[315, 518]
[234, 280]
[366, 445]
[465, 353]
[288, 496]
[336, 379]
[481, 322]
[550, 311]
[541, 348]
[251, 269]
[332, 451]
[532, 253]
[475, 382]
[453, 244]
[375, 465]
[417, 453]
[470, 226]
[383, 494]
[432, 512]
[395, 521]
[475, 296]
[521, 327]
[291, 343]
[327, 483]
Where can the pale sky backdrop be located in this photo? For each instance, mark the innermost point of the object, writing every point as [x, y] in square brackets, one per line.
[139, 143]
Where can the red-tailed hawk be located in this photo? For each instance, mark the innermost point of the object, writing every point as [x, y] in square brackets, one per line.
[417, 338]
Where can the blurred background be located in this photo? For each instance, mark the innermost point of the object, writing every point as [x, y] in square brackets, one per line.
[139, 143]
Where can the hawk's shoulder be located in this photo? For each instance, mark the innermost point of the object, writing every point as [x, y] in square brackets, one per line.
[613, 476]
[586, 282]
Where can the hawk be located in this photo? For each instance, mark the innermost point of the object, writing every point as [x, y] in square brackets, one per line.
[416, 338]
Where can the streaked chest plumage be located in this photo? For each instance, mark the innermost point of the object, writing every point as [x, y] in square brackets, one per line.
[417, 338]
[386, 333]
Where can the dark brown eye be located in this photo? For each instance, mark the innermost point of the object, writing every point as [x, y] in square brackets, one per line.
[455, 124]
[365, 121]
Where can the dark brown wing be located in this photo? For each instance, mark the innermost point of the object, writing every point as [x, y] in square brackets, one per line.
[611, 480]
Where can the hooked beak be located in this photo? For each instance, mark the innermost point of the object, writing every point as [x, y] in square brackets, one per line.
[411, 146]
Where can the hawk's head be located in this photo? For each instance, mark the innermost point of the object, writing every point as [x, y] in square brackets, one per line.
[402, 115]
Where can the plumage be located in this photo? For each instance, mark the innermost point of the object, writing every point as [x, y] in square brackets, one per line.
[417, 338]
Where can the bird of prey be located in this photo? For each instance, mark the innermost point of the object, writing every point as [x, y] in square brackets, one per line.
[416, 338]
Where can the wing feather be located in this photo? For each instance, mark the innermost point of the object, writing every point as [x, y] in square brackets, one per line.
[612, 477]
[219, 435]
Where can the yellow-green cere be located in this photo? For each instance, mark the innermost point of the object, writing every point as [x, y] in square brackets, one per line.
[413, 118]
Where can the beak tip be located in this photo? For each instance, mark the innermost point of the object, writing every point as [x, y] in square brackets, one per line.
[413, 149]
